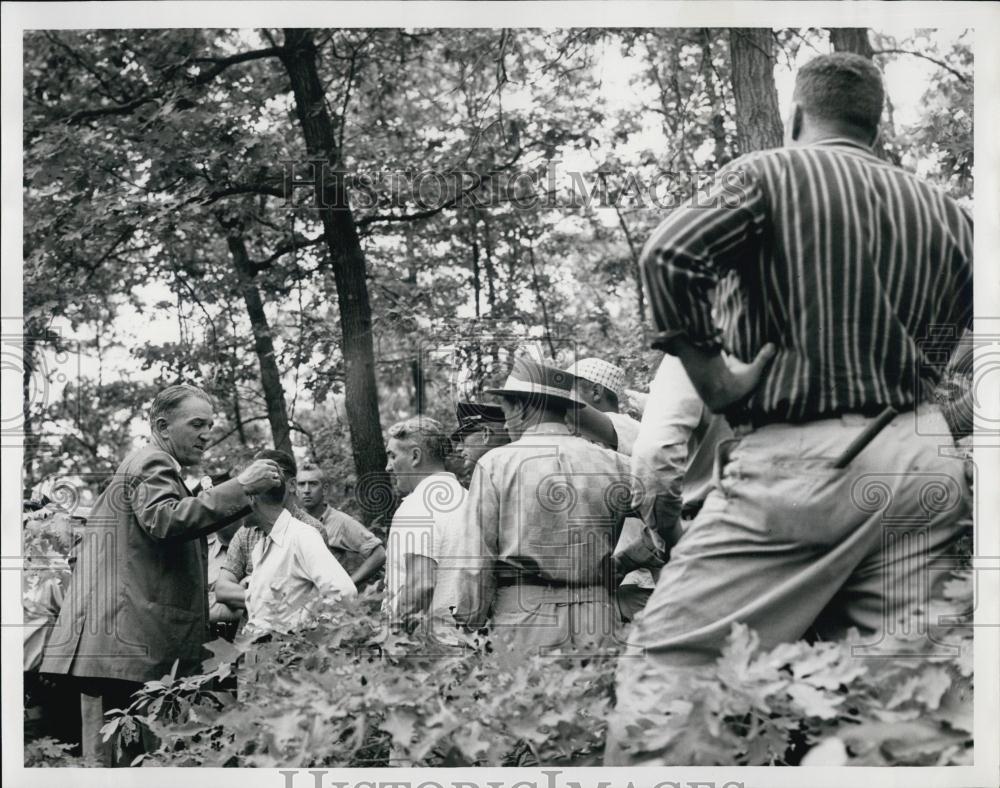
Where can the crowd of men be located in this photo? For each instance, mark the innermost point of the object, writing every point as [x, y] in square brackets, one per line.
[793, 320]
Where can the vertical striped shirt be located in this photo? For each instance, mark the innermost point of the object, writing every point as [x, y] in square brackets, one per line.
[858, 271]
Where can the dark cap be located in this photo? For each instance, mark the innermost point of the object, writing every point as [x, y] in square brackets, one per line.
[473, 415]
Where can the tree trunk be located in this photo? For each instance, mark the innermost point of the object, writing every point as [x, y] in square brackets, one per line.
[419, 384]
[270, 378]
[851, 39]
[299, 57]
[717, 125]
[488, 268]
[758, 121]
[476, 282]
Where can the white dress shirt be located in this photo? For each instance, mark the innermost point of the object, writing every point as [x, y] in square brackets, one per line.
[427, 523]
[293, 571]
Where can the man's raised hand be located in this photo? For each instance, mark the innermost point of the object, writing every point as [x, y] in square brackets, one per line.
[260, 475]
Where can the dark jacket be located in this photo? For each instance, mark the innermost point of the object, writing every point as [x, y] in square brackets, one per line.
[138, 597]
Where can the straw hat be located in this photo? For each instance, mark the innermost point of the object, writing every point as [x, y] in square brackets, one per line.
[529, 379]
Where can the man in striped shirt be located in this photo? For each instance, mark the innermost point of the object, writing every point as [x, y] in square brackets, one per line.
[813, 287]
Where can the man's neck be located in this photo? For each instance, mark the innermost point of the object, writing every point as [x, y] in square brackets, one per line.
[424, 473]
[815, 134]
[164, 446]
[544, 416]
[316, 509]
[267, 516]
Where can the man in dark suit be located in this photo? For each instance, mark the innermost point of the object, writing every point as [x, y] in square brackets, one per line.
[138, 597]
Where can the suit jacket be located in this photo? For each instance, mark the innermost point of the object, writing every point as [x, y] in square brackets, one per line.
[138, 598]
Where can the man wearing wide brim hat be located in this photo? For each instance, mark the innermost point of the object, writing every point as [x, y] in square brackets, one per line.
[481, 428]
[544, 514]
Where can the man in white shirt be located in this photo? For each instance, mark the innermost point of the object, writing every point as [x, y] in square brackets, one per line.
[293, 569]
[423, 554]
[673, 458]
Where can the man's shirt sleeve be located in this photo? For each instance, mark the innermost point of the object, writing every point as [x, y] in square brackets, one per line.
[682, 260]
[237, 554]
[660, 459]
[343, 532]
[319, 566]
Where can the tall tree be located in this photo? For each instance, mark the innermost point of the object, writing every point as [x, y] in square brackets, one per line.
[299, 57]
[758, 120]
[270, 375]
[851, 39]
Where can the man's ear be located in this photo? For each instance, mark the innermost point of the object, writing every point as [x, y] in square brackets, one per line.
[159, 425]
[417, 454]
[795, 129]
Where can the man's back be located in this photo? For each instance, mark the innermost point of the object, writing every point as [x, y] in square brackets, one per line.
[551, 505]
[851, 266]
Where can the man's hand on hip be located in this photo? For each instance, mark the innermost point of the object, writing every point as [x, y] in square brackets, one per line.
[260, 475]
[721, 380]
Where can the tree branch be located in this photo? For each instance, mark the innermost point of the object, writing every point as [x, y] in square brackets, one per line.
[221, 64]
[933, 60]
[285, 248]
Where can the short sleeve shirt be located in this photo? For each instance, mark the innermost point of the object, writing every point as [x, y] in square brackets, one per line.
[347, 539]
[239, 556]
[425, 524]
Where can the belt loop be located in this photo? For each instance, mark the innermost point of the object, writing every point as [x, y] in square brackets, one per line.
[723, 449]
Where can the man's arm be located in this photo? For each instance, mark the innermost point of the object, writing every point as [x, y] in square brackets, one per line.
[720, 381]
[370, 565]
[660, 459]
[421, 576]
[320, 567]
[353, 537]
[476, 582]
[164, 512]
[681, 265]
[229, 591]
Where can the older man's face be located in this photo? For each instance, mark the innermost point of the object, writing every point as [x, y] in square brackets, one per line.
[187, 432]
[400, 457]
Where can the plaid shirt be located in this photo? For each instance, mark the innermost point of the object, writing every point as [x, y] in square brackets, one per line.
[547, 508]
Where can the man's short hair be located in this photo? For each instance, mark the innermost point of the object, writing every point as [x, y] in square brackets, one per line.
[427, 433]
[166, 403]
[842, 87]
[286, 462]
[311, 466]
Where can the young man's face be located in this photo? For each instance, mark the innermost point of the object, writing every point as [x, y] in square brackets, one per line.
[311, 488]
[188, 430]
[403, 458]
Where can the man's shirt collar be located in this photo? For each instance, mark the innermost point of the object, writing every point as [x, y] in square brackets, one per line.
[279, 531]
[845, 141]
[548, 428]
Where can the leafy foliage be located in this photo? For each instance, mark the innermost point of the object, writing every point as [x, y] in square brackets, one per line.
[348, 693]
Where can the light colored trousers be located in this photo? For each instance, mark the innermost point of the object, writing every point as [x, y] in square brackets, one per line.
[786, 542]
